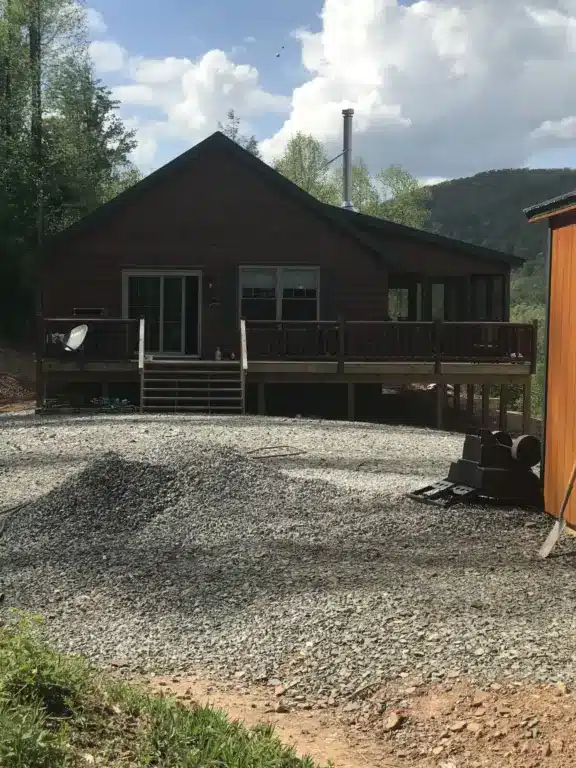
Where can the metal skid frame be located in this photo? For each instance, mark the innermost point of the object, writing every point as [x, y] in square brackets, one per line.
[444, 494]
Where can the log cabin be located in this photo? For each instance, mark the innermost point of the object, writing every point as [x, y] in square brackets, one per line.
[216, 284]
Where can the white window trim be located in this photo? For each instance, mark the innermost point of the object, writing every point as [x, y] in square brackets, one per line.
[279, 269]
[128, 273]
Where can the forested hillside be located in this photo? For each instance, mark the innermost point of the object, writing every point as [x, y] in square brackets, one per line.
[487, 209]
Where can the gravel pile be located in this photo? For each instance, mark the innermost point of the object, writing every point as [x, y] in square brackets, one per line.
[11, 389]
[179, 550]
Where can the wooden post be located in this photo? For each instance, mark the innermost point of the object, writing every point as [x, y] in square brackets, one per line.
[534, 349]
[437, 346]
[440, 396]
[503, 415]
[486, 406]
[40, 352]
[426, 299]
[351, 401]
[470, 404]
[527, 407]
[341, 344]
[456, 397]
[261, 399]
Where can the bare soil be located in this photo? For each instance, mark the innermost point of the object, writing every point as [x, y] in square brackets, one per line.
[452, 725]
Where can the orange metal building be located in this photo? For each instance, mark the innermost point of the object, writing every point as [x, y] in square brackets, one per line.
[559, 417]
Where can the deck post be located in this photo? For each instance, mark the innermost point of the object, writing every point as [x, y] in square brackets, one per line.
[533, 362]
[527, 406]
[470, 404]
[486, 406]
[440, 397]
[261, 398]
[341, 344]
[40, 352]
[351, 401]
[503, 414]
[457, 398]
[437, 346]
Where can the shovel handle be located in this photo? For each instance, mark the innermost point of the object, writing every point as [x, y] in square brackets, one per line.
[568, 493]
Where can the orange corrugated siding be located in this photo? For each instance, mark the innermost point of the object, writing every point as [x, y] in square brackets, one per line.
[560, 452]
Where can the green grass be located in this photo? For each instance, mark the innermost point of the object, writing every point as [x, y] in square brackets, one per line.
[57, 711]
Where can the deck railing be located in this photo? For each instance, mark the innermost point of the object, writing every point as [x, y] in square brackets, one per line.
[353, 340]
[107, 338]
[394, 341]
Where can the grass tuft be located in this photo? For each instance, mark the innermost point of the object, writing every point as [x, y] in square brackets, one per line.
[57, 711]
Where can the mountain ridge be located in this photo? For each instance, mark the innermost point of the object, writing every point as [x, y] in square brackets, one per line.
[487, 209]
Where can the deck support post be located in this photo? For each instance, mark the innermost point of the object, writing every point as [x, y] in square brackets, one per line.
[351, 387]
[527, 406]
[440, 398]
[470, 404]
[457, 398]
[503, 408]
[261, 398]
[486, 406]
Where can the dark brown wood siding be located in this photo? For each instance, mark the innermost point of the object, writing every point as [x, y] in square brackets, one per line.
[214, 216]
[560, 449]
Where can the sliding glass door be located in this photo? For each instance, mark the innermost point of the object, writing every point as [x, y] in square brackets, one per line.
[170, 306]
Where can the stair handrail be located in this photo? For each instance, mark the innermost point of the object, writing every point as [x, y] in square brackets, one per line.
[141, 337]
[243, 361]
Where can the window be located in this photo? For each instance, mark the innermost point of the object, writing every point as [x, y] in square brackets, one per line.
[279, 293]
[487, 297]
[398, 303]
[437, 301]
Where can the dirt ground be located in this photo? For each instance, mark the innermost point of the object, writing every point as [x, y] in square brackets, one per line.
[406, 724]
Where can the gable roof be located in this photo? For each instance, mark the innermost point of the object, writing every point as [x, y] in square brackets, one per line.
[364, 229]
[377, 225]
[552, 207]
[220, 143]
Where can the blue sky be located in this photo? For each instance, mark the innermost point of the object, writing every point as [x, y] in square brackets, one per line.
[253, 32]
[420, 114]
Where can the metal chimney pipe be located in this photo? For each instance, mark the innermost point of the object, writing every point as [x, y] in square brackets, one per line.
[347, 114]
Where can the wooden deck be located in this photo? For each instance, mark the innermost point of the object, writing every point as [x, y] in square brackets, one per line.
[387, 353]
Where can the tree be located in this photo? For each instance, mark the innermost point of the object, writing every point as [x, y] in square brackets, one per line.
[393, 194]
[232, 130]
[63, 149]
[365, 197]
[305, 162]
[403, 199]
[89, 143]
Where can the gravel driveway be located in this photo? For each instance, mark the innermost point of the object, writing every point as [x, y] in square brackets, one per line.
[165, 542]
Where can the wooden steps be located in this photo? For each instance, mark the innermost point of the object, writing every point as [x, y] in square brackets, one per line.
[202, 386]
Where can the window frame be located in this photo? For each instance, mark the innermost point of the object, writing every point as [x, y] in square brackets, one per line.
[279, 270]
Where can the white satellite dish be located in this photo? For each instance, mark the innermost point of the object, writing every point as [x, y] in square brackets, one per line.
[75, 338]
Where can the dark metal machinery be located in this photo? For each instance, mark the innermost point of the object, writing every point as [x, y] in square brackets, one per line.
[494, 468]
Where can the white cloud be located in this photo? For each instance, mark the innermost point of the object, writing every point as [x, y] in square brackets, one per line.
[95, 21]
[107, 56]
[443, 87]
[431, 181]
[248, 40]
[563, 130]
[192, 96]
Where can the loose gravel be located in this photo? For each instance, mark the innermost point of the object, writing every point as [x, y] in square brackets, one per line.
[272, 548]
